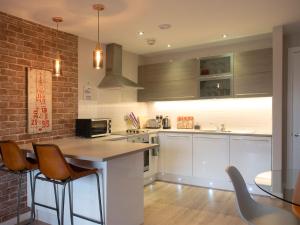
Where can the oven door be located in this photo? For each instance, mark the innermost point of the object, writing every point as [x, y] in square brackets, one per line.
[146, 160]
[100, 127]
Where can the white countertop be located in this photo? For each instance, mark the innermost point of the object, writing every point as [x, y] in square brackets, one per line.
[193, 131]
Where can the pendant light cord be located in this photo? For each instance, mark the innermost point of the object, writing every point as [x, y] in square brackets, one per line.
[56, 36]
[98, 27]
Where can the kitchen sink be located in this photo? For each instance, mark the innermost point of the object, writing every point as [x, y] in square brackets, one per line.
[215, 131]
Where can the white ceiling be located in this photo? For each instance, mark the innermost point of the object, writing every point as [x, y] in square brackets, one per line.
[194, 22]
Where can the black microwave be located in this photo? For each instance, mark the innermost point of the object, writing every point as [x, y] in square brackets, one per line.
[90, 128]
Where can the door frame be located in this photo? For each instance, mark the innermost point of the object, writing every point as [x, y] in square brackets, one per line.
[289, 133]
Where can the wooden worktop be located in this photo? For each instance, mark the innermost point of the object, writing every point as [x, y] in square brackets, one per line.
[94, 149]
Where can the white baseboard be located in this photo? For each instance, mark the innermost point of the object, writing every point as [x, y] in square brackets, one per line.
[13, 221]
[206, 183]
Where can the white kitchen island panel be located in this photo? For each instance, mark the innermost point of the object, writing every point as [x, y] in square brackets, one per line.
[123, 193]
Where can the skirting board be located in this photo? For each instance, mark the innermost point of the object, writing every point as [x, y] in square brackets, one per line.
[13, 221]
[206, 183]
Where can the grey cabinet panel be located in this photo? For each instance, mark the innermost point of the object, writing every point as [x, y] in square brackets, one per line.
[170, 90]
[168, 71]
[169, 81]
[253, 73]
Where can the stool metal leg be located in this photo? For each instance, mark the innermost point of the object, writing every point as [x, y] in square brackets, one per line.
[56, 202]
[70, 185]
[63, 203]
[31, 188]
[19, 197]
[99, 198]
[33, 199]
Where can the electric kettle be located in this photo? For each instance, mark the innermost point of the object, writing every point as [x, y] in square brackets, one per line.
[166, 123]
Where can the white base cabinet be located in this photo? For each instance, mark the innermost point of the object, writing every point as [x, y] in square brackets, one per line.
[251, 155]
[201, 159]
[210, 156]
[177, 153]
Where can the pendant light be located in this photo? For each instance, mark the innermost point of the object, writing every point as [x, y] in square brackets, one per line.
[57, 71]
[98, 51]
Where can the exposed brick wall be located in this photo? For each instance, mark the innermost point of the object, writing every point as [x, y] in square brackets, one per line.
[26, 44]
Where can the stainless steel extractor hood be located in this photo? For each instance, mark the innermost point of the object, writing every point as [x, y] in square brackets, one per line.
[113, 77]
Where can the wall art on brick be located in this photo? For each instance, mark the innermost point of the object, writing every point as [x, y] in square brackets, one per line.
[39, 101]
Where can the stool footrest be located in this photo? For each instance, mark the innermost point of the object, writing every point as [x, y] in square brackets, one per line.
[45, 206]
[87, 218]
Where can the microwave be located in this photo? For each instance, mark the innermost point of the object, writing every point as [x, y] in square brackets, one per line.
[90, 128]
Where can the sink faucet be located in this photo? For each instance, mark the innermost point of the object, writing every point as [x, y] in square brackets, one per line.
[215, 125]
[223, 128]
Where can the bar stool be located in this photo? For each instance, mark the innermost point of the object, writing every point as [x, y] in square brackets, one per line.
[16, 162]
[55, 169]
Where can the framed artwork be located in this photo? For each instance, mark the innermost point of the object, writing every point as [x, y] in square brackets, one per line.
[39, 88]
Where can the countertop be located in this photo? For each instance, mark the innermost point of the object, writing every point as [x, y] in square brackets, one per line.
[117, 135]
[94, 149]
[234, 132]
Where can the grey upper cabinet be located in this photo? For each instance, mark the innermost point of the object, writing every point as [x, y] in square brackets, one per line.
[169, 81]
[253, 73]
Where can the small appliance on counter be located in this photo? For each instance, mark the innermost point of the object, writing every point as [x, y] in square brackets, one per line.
[166, 123]
[90, 128]
[152, 124]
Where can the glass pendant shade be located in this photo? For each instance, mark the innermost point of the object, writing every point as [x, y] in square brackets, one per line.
[57, 65]
[98, 57]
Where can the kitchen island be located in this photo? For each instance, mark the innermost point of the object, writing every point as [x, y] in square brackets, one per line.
[122, 187]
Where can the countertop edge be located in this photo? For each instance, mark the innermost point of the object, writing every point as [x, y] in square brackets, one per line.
[192, 131]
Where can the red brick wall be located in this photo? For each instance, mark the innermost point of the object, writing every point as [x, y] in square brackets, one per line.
[26, 44]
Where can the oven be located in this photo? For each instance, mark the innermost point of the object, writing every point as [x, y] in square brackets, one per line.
[93, 127]
[142, 138]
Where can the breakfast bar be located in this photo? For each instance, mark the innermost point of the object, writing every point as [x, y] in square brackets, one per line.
[122, 168]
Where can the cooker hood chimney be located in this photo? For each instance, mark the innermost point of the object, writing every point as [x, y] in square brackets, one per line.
[113, 77]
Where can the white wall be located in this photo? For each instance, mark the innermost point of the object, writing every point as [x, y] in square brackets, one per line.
[114, 103]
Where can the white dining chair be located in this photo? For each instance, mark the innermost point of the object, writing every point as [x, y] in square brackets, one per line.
[253, 212]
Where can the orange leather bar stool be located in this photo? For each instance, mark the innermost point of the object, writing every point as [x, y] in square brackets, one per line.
[15, 161]
[54, 168]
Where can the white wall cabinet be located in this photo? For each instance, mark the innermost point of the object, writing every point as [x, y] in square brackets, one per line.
[177, 153]
[210, 156]
[251, 155]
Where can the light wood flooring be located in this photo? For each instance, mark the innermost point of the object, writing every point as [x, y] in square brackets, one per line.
[172, 204]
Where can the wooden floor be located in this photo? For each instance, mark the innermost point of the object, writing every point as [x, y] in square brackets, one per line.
[169, 204]
[172, 204]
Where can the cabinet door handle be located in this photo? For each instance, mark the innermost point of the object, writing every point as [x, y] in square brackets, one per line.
[297, 135]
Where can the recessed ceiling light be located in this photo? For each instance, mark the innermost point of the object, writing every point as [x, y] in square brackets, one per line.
[165, 26]
[141, 33]
[169, 46]
[224, 36]
[151, 41]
